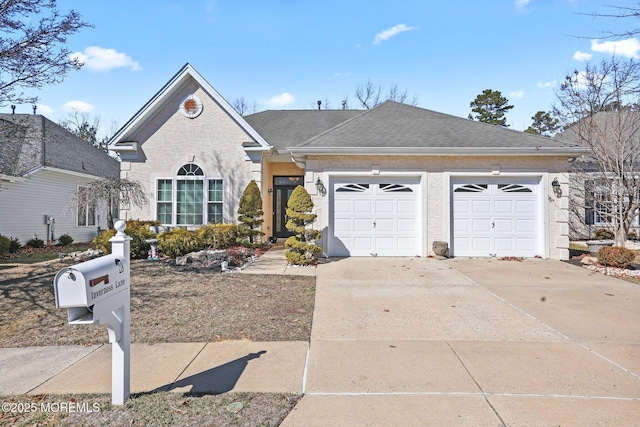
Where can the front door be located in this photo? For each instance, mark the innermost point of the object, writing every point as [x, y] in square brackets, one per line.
[283, 186]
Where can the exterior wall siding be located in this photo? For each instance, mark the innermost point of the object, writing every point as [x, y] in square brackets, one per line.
[213, 141]
[23, 206]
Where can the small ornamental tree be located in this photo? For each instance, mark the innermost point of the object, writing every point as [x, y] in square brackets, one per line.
[302, 249]
[250, 210]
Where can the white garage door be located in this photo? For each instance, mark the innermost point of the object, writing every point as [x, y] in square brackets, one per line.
[499, 218]
[375, 218]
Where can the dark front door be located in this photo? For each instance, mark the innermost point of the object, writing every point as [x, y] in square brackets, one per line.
[283, 186]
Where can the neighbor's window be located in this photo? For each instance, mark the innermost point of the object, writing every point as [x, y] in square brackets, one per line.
[86, 212]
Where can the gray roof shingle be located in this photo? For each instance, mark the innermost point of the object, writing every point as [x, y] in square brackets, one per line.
[393, 124]
[287, 128]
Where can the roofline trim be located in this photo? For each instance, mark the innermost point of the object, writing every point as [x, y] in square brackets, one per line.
[440, 151]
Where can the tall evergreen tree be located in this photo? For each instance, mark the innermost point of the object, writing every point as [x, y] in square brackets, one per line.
[543, 124]
[490, 107]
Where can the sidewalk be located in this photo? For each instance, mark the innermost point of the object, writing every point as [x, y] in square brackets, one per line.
[205, 368]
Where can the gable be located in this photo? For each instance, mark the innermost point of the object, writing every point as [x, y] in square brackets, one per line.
[167, 108]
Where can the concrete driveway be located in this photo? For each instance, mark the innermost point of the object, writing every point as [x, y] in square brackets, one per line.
[410, 341]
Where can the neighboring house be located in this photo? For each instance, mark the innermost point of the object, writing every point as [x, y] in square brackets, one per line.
[42, 165]
[385, 182]
[615, 135]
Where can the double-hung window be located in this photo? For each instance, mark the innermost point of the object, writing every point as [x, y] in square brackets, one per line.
[86, 215]
[189, 198]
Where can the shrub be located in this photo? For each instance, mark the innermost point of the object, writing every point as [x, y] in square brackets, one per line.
[179, 242]
[301, 247]
[139, 233]
[218, 236]
[14, 244]
[604, 234]
[65, 240]
[35, 243]
[616, 256]
[250, 211]
[5, 244]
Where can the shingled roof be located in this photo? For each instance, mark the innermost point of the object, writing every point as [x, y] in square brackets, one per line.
[395, 127]
[29, 142]
[288, 128]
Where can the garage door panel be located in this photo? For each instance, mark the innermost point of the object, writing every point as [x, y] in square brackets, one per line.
[479, 225]
[342, 207]
[384, 206]
[362, 243]
[500, 218]
[504, 226]
[481, 244]
[375, 218]
[406, 207]
[362, 225]
[362, 206]
[407, 225]
[525, 226]
[504, 207]
[384, 225]
[480, 207]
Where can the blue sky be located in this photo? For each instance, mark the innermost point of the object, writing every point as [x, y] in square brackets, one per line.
[286, 54]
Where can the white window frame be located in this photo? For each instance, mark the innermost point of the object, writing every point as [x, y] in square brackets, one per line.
[84, 212]
[207, 181]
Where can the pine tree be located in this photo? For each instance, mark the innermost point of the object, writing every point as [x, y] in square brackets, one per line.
[302, 249]
[490, 107]
[250, 210]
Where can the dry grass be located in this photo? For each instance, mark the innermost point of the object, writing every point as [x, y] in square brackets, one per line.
[167, 305]
[158, 409]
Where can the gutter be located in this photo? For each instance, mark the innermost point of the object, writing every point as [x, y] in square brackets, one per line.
[438, 151]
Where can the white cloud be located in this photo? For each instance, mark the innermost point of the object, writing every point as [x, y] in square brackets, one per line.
[44, 110]
[518, 94]
[547, 84]
[99, 58]
[582, 56]
[281, 100]
[77, 107]
[628, 47]
[387, 34]
[341, 74]
[521, 4]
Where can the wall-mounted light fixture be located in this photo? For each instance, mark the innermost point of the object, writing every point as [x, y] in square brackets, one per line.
[556, 188]
[270, 191]
[320, 186]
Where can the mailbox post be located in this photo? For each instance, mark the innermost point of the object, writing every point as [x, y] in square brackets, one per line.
[97, 292]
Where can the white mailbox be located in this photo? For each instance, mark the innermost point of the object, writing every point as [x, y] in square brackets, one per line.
[98, 292]
[86, 284]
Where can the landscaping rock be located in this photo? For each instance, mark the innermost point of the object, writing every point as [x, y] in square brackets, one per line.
[589, 260]
[204, 259]
[80, 256]
[441, 249]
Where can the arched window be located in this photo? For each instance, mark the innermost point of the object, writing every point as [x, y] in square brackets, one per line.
[189, 198]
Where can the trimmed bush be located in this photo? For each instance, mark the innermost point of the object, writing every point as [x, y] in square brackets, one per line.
[218, 236]
[139, 233]
[604, 234]
[616, 256]
[5, 244]
[179, 242]
[250, 211]
[65, 240]
[302, 249]
[35, 243]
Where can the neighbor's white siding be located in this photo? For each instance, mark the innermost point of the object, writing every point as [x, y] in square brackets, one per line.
[23, 206]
